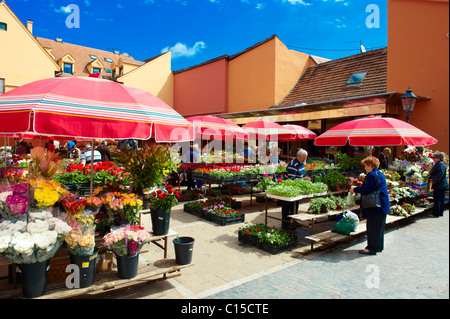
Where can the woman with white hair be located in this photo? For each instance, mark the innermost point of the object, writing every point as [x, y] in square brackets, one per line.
[294, 170]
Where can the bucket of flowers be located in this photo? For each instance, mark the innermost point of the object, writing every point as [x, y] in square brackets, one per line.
[31, 245]
[126, 243]
[160, 204]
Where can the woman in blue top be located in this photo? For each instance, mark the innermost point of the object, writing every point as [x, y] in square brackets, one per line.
[376, 217]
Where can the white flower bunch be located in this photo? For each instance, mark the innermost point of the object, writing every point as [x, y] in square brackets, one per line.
[45, 240]
[38, 226]
[36, 241]
[41, 215]
[410, 149]
[23, 243]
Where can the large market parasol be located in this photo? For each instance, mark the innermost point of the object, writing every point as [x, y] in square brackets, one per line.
[268, 130]
[93, 108]
[373, 131]
[208, 126]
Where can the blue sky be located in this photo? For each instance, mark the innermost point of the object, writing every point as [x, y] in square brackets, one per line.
[199, 30]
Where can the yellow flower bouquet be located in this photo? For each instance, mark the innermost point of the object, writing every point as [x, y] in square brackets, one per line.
[46, 194]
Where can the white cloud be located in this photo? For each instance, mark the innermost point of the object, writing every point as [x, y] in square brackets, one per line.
[302, 2]
[63, 10]
[182, 50]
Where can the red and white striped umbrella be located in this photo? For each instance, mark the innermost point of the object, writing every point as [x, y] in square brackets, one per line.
[268, 130]
[212, 126]
[301, 133]
[375, 132]
[91, 108]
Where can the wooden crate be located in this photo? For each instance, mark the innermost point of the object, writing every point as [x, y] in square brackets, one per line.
[57, 271]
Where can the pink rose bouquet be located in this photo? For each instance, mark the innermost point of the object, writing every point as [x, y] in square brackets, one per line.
[126, 241]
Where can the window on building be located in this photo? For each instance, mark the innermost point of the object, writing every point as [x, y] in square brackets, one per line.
[3, 26]
[121, 71]
[93, 57]
[108, 70]
[356, 78]
[113, 74]
[96, 70]
[2, 86]
[108, 60]
[68, 68]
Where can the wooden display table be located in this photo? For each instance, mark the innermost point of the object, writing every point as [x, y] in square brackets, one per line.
[313, 218]
[108, 281]
[289, 199]
[329, 237]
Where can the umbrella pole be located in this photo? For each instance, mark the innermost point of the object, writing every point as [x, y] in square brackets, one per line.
[92, 169]
[4, 148]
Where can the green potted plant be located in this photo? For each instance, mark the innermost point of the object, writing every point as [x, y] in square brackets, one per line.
[334, 180]
[148, 166]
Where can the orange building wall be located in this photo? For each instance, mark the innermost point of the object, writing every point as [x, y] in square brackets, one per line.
[418, 56]
[202, 90]
[290, 66]
[252, 79]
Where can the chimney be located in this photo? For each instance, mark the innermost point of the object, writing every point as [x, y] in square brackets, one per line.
[30, 26]
[59, 40]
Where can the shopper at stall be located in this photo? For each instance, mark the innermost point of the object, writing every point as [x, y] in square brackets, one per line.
[22, 148]
[51, 146]
[247, 151]
[75, 153]
[104, 150]
[438, 177]
[376, 217]
[294, 170]
[384, 158]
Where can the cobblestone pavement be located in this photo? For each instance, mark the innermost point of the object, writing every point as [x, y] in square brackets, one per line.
[415, 264]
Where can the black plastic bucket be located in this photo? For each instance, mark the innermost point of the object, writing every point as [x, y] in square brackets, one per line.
[184, 247]
[160, 222]
[127, 267]
[34, 278]
[86, 265]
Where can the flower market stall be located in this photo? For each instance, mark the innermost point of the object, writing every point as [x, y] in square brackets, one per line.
[88, 108]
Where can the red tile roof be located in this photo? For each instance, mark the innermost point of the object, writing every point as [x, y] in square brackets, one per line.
[82, 57]
[328, 81]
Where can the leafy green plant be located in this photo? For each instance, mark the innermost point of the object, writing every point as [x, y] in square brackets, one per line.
[330, 203]
[148, 165]
[348, 163]
[332, 179]
[267, 234]
[299, 187]
[266, 182]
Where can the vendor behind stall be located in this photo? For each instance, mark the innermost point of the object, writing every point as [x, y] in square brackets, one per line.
[294, 170]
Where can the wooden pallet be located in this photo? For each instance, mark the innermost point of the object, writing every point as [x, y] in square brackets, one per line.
[329, 237]
[107, 281]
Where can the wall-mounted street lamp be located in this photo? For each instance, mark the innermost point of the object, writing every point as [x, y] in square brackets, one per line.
[409, 101]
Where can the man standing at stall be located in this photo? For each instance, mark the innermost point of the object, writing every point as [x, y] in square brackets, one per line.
[294, 170]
